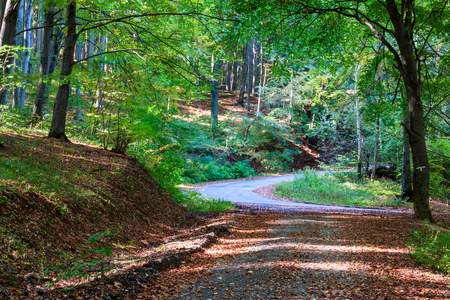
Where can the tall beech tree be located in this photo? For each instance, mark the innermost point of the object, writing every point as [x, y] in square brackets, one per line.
[9, 11]
[58, 126]
[404, 27]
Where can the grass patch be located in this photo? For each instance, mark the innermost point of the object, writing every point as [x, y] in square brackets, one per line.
[431, 245]
[194, 202]
[340, 189]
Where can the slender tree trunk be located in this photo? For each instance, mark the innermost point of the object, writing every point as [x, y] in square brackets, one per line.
[249, 75]
[26, 52]
[2, 12]
[58, 126]
[254, 64]
[214, 95]
[19, 55]
[406, 161]
[291, 95]
[403, 26]
[375, 151]
[235, 76]
[244, 77]
[7, 32]
[102, 47]
[9, 21]
[79, 115]
[358, 125]
[260, 89]
[41, 95]
[229, 71]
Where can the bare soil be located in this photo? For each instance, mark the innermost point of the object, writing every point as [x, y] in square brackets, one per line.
[305, 256]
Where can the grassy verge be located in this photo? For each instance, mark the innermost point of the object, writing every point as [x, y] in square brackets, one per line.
[340, 189]
[431, 245]
[194, 202]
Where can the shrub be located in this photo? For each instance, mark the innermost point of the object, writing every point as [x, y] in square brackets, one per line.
[431, 245]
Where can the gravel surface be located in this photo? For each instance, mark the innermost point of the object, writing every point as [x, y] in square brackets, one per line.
[306, 256]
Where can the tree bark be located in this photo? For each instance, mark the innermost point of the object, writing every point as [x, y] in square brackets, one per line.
[18, 41]
[41, 95]
[58, 126]
[242, 86]
[250, 74]
[403, 26]
[214, 95]
[406, 161]
[2, 11]
[26, 53]
[375, 151]
[358, 125]
[7, 33]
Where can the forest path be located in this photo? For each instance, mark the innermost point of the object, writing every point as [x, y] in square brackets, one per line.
[249, 193]
[305, 256]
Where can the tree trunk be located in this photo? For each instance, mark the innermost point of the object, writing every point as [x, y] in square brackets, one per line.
[2, 11]
[375, 151]
[260, 82]
[358, 126]
[406, 162]
[41, 95]
[7, 32]
[249, 75]
[58, 126]
[214, 95]
[403, 27]
[243, 85]
[79, 115]
[9, 21]
[235, 76]
[19, 55]
[26, 52]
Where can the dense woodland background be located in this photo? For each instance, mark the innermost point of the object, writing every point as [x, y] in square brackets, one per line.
[353, 80]
[209, 90]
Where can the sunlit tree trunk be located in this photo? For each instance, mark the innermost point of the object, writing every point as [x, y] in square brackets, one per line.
[58, 126]
[249, 74]
[79, 115]
[375, 151]
[261, 82]
[409, 70]
[26, 52]
[358, 125]
[19, 55]
[214, 95]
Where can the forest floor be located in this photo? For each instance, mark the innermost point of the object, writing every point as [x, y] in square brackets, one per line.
[163, 252]
[55, 198]
[305, 256]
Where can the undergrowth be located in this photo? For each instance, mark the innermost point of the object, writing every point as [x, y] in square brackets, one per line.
[339, 188]
[431, 245]
[194, 202]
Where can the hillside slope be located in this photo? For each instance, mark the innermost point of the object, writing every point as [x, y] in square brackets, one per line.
[55, 197]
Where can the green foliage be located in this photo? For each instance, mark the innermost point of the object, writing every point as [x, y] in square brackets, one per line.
[342, 188]
[194, 202]
[264, 140]
[208, 168]
[440, 169]
[81, 267]
[431, 245]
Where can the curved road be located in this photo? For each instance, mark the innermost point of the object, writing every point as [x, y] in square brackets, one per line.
[241, 193]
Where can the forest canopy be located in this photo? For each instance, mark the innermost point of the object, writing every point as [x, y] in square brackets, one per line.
[365, 82]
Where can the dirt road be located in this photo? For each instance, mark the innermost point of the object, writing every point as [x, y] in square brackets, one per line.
[305, 256]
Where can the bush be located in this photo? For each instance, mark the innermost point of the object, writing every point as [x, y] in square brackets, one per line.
[431, 245]
[205, 169]
[194, 202]
[339, 188]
